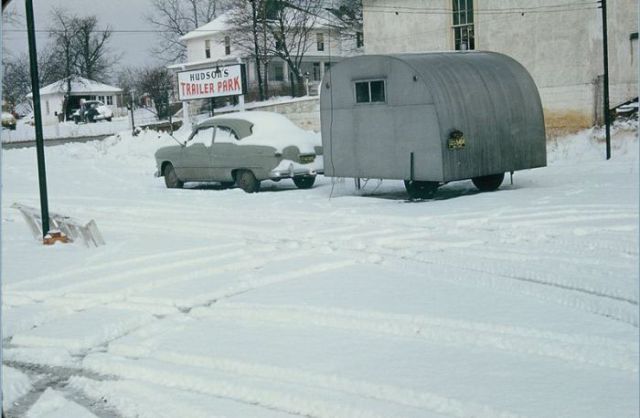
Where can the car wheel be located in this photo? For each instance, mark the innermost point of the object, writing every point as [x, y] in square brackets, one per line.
[247, 181]
[421, 189]
[304, 182]
[171, 179]
[488, 183]
[108, 119]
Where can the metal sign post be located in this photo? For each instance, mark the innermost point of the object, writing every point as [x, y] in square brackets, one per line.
[35, 87]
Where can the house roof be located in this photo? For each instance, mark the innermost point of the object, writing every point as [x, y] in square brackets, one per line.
[78, 85]
[219, 24]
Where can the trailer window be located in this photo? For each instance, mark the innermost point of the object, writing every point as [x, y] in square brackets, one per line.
[370, 91]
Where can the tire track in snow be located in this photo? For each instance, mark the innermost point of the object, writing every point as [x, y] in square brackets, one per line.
[111, 265]
[132, 274]
[600, 352]
[160, 372]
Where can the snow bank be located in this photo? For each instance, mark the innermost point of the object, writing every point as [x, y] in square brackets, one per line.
[589, 145]
[15, 384]
[52, 404]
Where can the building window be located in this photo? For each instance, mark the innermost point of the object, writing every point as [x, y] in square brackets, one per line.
[47, 106]
[359, 39]
[227, 45]
[110, 100]
[316, 71]
[207, 48]
[463, 25]
[320, 41]
[370, 91]
[278, 71]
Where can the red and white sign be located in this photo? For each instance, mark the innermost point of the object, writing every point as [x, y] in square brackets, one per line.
[211, 82]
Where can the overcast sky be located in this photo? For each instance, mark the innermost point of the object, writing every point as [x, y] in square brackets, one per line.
[119, 14]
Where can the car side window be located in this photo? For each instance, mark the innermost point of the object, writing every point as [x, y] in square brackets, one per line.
[203, 136]
[225, 135]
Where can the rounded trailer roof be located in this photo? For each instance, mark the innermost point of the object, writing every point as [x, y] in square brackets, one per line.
[469, 86]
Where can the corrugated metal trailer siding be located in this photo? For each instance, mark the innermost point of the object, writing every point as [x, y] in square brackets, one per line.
[488, 96]
[376, 140]
[494, 102]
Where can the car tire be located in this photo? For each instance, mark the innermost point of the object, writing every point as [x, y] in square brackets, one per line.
[488, 183]
[421, 189]
[304, 182]
[247, 181]
[171, 179]
[108, 119]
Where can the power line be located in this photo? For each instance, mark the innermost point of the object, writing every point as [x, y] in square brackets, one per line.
[554, 8]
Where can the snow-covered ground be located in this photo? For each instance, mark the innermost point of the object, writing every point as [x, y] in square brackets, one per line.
[328, 302]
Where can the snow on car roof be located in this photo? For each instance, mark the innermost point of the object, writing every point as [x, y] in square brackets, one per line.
[270, 128]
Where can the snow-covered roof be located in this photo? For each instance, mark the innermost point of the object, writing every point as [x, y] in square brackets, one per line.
[219, 24]
[78, 85]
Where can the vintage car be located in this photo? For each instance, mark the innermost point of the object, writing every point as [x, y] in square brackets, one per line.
[92, 111]
[243, 148]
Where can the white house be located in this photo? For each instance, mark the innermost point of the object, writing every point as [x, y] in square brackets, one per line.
[559, 42]
[52, 97]
[213, 44]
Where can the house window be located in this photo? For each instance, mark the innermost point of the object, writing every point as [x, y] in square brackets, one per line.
[359, 39]
[463, 25]
[47, 105]
[320, 41]
[110, 100]
[370, 91]
[316, 71]
[207, 48]
[278, 71]
[227, 45]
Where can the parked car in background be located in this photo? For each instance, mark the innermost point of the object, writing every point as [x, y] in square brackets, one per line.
[243, 148]
[8, 121]
[92, 111]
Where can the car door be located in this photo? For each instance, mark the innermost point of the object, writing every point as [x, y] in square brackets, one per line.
[225, 156]
[196, 162]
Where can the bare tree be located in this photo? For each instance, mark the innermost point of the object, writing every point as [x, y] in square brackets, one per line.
[16, 80]
[63, 32]
[78, 49]
[290, 25]
[248, 30]
[176, 18]
[348, 21]
[157, 83]
[91, 46]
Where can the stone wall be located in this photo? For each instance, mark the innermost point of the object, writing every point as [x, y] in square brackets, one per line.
[304, 112]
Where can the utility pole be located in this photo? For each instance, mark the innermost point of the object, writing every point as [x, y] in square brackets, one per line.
[35, 87]
[605, 53]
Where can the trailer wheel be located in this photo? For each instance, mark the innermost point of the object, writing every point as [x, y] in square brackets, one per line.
[488, 183]
[421, 189]
[247, 181]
